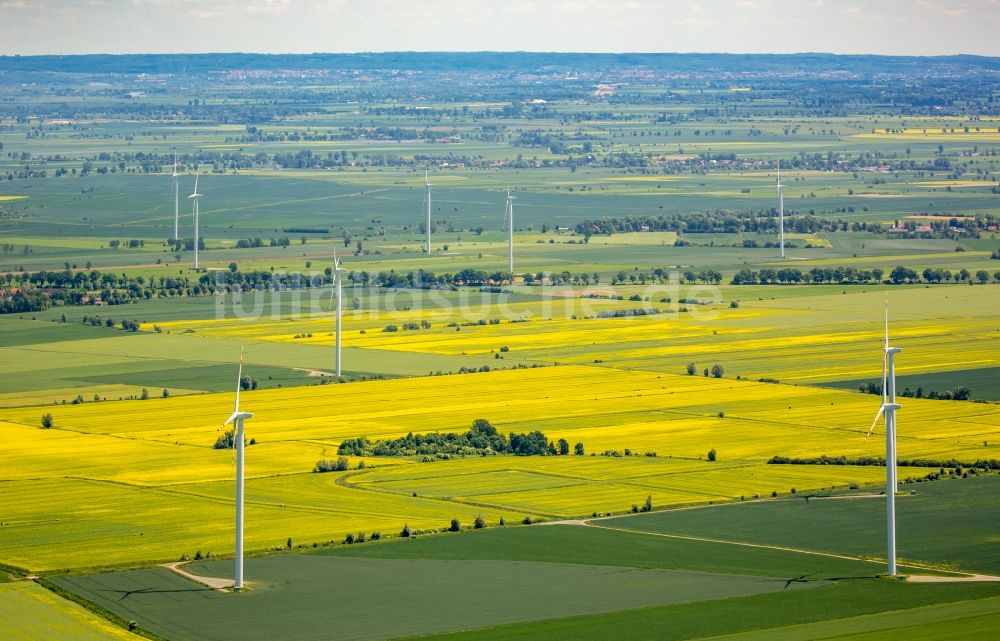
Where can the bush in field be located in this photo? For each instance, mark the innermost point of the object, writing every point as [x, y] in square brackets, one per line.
[480, 522]
[47, 420]
[405, 532]
[342, 464]
[712, 454]
[455, 526]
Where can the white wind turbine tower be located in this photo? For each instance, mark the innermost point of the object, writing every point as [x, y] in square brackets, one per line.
[888, 408]
[238, 438]
[781, 212]
[177, 198]
[427, 200]
[509, 224]
[194, 198]
[337, 275]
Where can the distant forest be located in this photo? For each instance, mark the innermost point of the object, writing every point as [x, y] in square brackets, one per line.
[864, 66]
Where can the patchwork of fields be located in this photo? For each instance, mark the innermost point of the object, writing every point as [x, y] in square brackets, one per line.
[107, 464]
[74, 472]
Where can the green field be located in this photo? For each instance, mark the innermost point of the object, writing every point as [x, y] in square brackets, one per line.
[856, 526]
[30, 613]
[985, 382]
[498, 580]
[400, 596]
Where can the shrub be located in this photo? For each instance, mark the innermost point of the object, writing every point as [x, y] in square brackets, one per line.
[376, 536]
[648, 505]
[480, 522]
[691, 369]
[349, 539]
[288, 543]
[342, 464]
[578, 449]
[526, 521]
[145, 394]
[46, 420]
[405, 532]
[774, 494]
[712, 454]
[717, 371]
[166, 393]
[455, 526]
[361, 537]
[502, 521]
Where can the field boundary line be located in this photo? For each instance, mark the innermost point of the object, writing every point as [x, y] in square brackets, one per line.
[344, 482]
[961, 577]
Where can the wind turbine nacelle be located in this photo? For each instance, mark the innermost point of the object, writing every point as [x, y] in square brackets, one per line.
[892, 406]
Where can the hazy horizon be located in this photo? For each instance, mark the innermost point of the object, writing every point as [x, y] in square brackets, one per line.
[882, 27]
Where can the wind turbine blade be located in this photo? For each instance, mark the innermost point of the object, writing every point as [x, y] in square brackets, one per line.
[239, 377]
[887, 323]
[885, 358]
[878, 415]
[231, 419]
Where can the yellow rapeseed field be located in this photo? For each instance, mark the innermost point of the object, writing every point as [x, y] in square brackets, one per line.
[138, 480]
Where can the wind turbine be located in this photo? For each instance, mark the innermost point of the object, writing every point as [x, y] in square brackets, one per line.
[337, 275]
[509, 224]
[194, 198]
[781, 212]
[888, 408]
[238, 417]
[427, 200]
[177, 201]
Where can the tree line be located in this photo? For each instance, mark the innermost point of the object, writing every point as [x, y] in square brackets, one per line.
[879, 461]
[482, 439]
[850, 275]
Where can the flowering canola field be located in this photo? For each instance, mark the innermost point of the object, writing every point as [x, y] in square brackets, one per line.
[138, 480]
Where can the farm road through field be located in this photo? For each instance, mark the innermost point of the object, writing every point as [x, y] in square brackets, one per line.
[950, 577]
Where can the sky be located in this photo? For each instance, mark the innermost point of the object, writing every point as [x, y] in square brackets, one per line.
[903, 27]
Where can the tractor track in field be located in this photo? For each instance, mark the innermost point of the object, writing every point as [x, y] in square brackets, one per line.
[957, 577]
